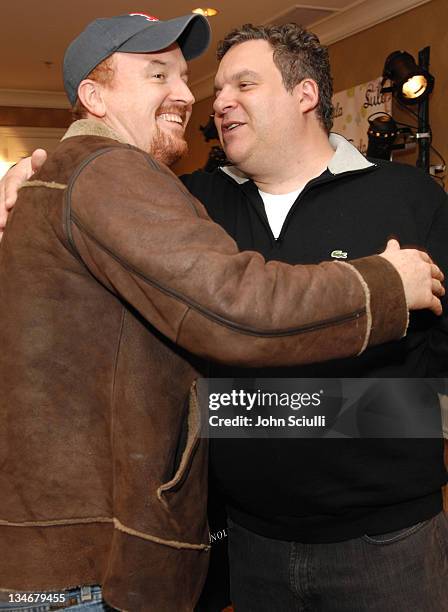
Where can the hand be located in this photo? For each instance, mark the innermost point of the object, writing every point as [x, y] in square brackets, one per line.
[422, 279]
[13, 181]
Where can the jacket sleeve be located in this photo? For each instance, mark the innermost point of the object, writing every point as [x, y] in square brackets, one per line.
[150, 242]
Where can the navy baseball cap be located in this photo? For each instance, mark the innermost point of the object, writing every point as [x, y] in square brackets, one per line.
[133, 33]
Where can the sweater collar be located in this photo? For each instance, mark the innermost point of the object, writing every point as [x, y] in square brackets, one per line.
[346, 158]
[91, 127]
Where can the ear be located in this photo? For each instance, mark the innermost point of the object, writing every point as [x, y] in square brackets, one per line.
[91, 95]
[307, 94]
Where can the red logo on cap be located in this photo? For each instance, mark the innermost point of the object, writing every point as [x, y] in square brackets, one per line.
[147, 17]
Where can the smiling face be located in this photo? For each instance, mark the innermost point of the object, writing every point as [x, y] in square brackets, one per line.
[149, 102]
[255, 116]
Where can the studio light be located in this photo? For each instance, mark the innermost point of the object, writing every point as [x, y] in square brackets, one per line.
[382, 134]
[409, 81]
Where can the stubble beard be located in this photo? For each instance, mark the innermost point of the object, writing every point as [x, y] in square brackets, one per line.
[167, 148]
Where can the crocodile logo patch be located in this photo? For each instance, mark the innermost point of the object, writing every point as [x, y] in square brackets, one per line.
[338, 254]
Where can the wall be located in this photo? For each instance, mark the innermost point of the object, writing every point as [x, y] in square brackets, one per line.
[15, 116]
[361, 57]
[411, 31]
[197, 147]
[22, 130]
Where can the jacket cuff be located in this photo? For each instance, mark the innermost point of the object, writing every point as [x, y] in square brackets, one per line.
[386, 305]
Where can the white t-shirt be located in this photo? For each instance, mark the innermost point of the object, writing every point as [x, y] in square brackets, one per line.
[277, 208]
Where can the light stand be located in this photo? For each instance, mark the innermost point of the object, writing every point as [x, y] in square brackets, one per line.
[411, 84]
[423, 134]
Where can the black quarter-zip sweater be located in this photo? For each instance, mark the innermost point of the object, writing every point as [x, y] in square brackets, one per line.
[329, 490]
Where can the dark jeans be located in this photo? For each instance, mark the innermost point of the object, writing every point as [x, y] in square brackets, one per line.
[402, 571]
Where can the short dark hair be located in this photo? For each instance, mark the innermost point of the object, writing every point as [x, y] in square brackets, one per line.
[298, 55]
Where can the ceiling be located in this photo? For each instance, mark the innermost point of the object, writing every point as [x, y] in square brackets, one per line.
[34, 35]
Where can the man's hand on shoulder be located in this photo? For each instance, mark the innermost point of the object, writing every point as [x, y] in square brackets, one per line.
[13, 181]
[421, 278]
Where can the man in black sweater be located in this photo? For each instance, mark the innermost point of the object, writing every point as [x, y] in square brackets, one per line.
[324, 524]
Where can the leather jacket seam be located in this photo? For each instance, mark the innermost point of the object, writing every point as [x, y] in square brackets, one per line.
[184, 193]
[112, 412]
[187, 310]
[58, 522]
[66, 216]
[356, 314]
[194, 426]
[366, 290]
[117, 525]
[146, 536]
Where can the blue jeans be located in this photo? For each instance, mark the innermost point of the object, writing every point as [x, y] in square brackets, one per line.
[82, 599]
[402, 571]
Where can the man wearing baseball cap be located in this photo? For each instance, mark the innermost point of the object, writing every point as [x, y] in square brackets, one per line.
[111, 277]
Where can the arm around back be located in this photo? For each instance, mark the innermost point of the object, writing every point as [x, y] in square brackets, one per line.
[142, 235]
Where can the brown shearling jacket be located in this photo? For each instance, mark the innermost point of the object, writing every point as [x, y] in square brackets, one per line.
[111, 277]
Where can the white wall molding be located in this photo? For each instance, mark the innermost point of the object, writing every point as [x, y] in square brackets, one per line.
[33, 99]
[31, 132]
[359, 16]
